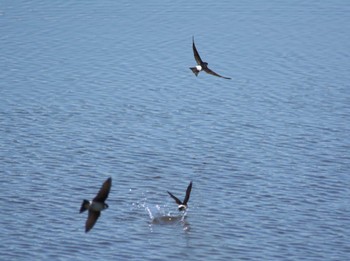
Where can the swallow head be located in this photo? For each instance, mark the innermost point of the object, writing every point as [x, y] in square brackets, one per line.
[204, 65]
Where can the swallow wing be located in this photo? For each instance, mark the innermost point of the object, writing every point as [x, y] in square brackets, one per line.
[104, 191]
[178, 201]
[207, 70]
[91, 220]
[188, 193]
[196, 54]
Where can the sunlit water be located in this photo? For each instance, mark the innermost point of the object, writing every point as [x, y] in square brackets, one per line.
[90, 90]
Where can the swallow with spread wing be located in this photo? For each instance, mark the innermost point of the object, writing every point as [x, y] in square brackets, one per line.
[183, 205]
[202, 66]
[96, 205]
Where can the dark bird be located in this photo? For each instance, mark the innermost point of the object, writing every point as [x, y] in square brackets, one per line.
[202, 66]
[96, 205]
[182, 205]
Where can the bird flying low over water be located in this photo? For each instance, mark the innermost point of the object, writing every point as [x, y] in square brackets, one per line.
[96, 205]
[202, 66]
[183, 205]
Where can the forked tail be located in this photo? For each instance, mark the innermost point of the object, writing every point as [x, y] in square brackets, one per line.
[84, 206]
[194, 70]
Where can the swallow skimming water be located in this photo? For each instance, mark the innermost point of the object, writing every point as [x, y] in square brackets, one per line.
[182, 205]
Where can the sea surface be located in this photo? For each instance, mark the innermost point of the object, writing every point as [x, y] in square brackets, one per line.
[98, 89]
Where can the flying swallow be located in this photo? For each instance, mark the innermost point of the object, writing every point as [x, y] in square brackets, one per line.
[96, 205]
[202, 66]
[182, 205]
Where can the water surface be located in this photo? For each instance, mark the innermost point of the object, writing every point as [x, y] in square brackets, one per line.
[90, 90]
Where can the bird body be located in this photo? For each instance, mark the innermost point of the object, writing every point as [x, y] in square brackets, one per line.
[93, 205]
[96, 205]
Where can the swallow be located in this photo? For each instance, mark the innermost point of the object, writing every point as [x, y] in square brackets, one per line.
[202, 66]
[96, 205]
[182, 205]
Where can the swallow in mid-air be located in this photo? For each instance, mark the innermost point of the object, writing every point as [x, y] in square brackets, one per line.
[96, 205]
[202, 66]
[182, 205]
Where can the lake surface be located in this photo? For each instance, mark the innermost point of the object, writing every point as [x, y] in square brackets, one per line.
[98, 89]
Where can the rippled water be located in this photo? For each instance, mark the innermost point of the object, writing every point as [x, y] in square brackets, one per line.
[90, 90]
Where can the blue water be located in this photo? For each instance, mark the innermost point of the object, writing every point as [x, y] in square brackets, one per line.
[97, 89]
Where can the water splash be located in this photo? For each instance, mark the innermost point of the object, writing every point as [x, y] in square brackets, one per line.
[159, 216]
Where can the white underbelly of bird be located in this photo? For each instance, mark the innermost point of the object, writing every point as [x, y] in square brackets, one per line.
[97, 206]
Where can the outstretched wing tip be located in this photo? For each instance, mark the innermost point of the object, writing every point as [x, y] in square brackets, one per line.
[209, 71]
[102, 195]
